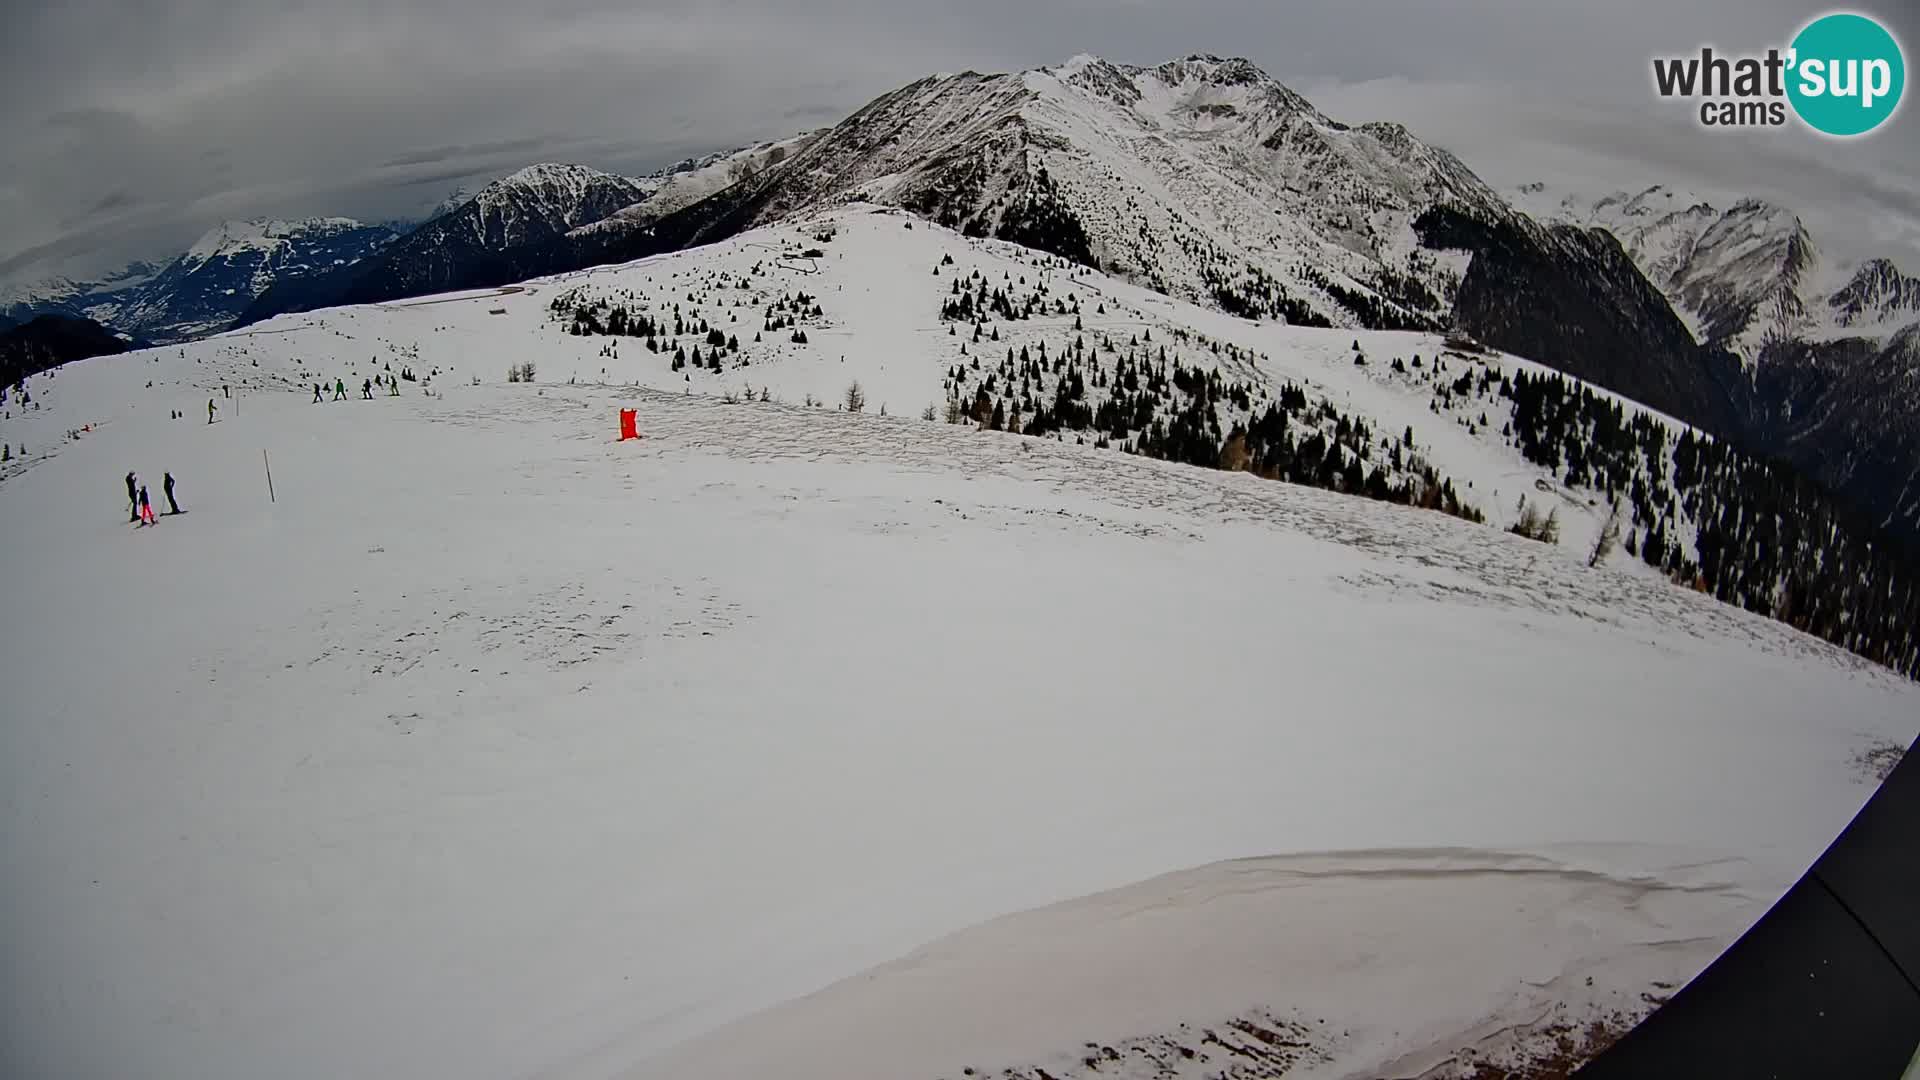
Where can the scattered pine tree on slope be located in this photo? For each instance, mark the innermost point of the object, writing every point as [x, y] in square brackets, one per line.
[1147, 400]
[1764, 538]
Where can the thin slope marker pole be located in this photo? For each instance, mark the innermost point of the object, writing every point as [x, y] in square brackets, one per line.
[269, 466]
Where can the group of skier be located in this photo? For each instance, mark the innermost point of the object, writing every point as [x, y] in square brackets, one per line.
[366, 388]
[140, 508]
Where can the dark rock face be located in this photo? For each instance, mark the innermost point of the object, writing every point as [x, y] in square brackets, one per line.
[1572, 299]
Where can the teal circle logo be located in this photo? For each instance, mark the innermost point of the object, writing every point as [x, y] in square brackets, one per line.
[1847, 74]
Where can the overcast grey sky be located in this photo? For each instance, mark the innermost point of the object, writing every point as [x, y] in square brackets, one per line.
[130, 127]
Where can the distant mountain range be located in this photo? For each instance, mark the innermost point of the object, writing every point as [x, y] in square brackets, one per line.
[536, 221]
[1829, 352]
[22, 301]
[1207, 180]
[1744, 276]
[210, 285]
[496, 235]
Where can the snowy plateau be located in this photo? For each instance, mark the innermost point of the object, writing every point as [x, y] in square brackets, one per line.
[790, 741]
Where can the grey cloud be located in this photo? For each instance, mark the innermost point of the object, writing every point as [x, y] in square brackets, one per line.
[199, 109]
[91, 121]
[812, 112]
[439, 177]
[445, 153]
[152, 236]
[116, 199]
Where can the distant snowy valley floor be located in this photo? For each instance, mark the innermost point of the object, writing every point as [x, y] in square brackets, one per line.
[788, 742]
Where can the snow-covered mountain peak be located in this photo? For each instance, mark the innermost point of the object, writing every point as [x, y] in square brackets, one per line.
[1878, 292]
[1205, 67]
[209, 285]
[1197, 92]
[565, 195]
[1661, 217]
[96, 298]
[1201, 176]
[38, 290]
[263, 234]
[1654, 201]
[206, 287]
[1758, 216]
[1742, 274]
[689, 180]
[54, 288]
[455, 199]
[550, 172]
[499, 232]
[1210, 79]
[1612, 209]
[229, 236]
[1231, 111]
[1092, 75]
[548, 180]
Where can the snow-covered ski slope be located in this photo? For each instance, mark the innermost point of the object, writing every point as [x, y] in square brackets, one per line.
[496, 748]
